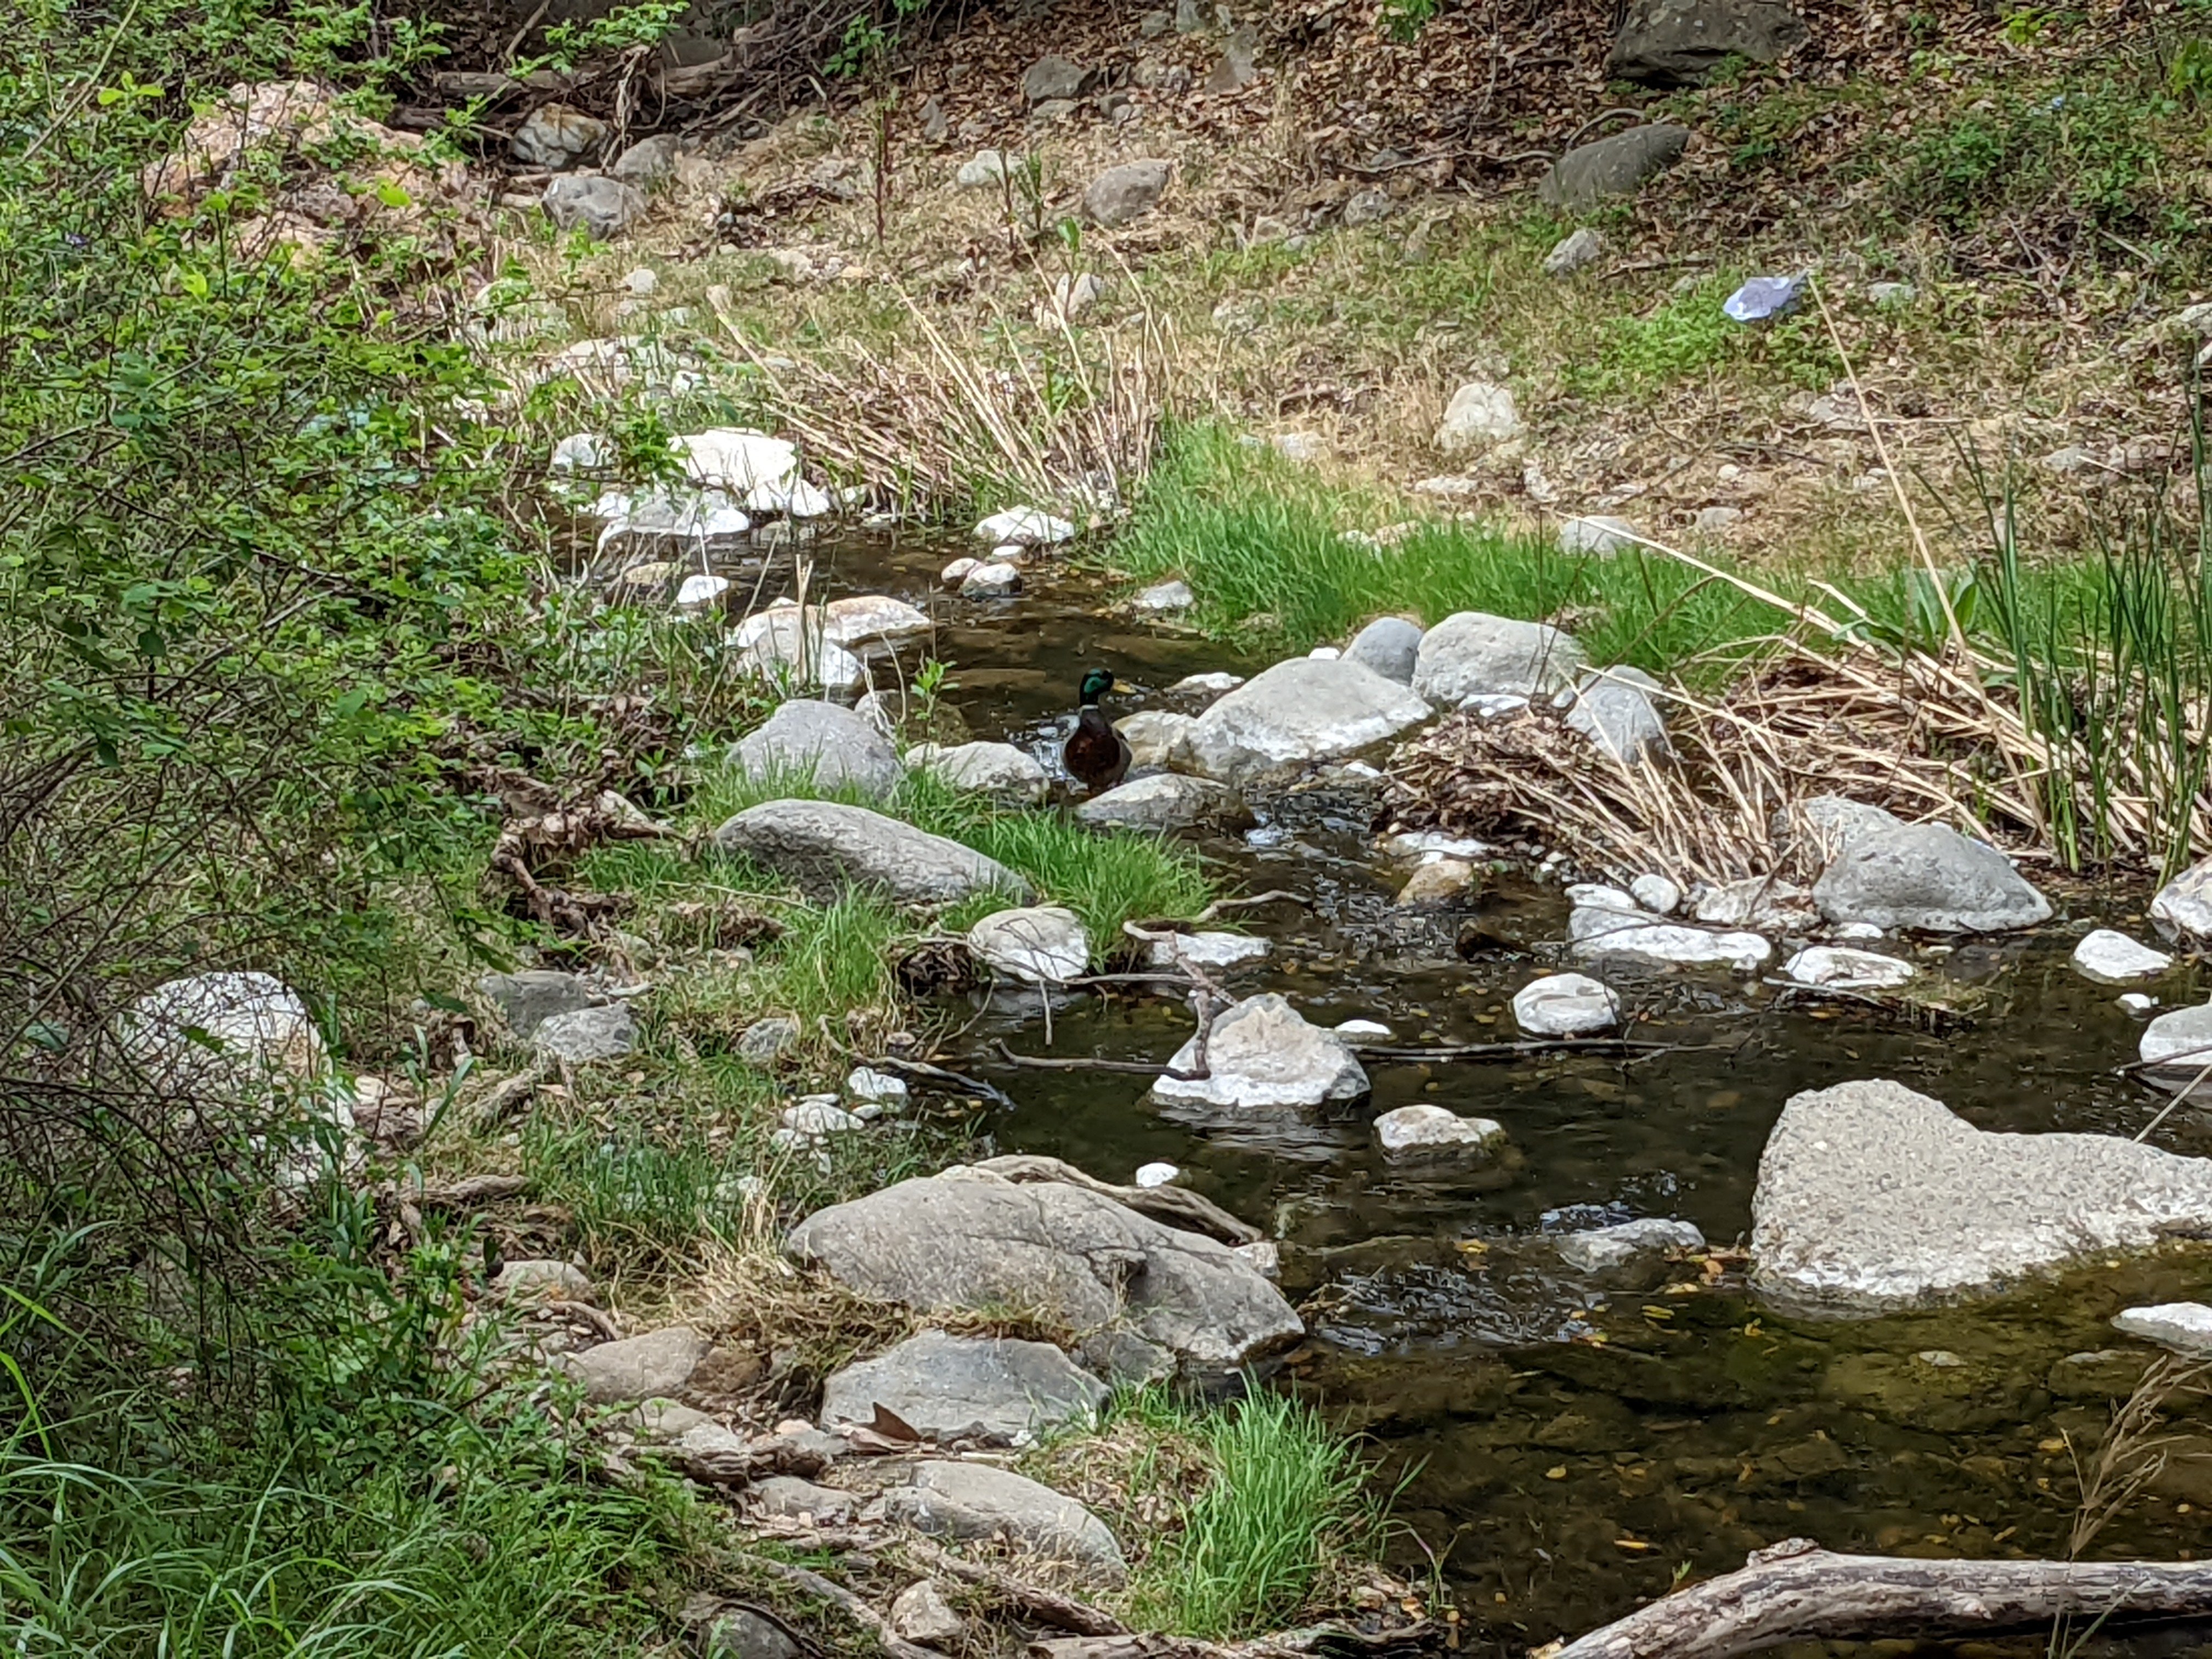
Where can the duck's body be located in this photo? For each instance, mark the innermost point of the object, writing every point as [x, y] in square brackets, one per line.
[1095, 754]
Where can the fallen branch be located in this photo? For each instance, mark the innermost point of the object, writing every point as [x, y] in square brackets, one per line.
[1174, 1205]
[468, 1192]
[503, 1098]
[1798, 1592]
[925, 1072]
[846, 1602]
[1503, 1052]
[1045, 1063]
[1148, 1645]
[1047, 1607]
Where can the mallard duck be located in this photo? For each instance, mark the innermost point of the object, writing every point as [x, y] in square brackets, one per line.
[1095, 753]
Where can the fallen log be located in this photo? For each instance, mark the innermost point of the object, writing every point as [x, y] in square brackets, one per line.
[1797, 1592]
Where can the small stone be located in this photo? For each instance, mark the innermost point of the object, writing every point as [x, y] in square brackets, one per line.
[816, 1116]
[2113, 958]
[696, 592]
[2136, 1002]
[878, 1088]
[1656, 894]
[1574, 251]
[958, 571]
[555, 137]
[1207, 949]
[637, 1368]
[1158, 1175]
[1565, 1004]
[587, 1035]
[1372, 1031]
[1125, 192]
[1618, 166]
[643, 280]
[2176, 1046]
[1662, 943]
[974, 1500]
[995, 580]
[988, 169]
[1198, 685]
[1431, 1129]
[1053, 79]
[1598, 533]
[2185, 1328]
[763, 1041]
[527, 1000]
[1440, 881]
[1480, 415]
[989, 768]
[741, 1633]
[1367, 207]
[1163, 597]
[920, 1612]
[1601, 1249]
[650, 162]
[603, 207]
[1071, 296]
[1154, 736]
[1390, 646]
[1153, 24]
[1839, 969]
[1716, 520]
[787, 1498]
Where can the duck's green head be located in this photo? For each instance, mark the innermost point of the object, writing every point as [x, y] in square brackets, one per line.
[1096, 684]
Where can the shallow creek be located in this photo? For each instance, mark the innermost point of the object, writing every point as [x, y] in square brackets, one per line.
[1567, 1446]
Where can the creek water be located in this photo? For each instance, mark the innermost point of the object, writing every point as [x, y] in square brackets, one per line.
[1563, 1448]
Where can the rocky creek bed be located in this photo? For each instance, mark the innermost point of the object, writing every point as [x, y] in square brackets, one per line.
[1578, 1427]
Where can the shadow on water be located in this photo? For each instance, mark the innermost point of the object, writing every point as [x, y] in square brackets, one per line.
[1571, 1446]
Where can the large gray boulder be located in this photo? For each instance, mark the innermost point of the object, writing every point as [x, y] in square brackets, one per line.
[1471, 654]
[1872, 1197]
[822, 848]
[1308, 708]
[821, 743]
[967, 1239]
[1165, 802]
[1618, 166]
[1263, 1053]
[1675, 43]
[972, 1388]
[1389, 646]
[1929, 878]
[976, 1501]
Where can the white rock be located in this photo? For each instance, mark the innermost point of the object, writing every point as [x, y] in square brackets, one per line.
[1263, 1053]
[1155, 735]
[1198, 685]
[1839, 970]
[1165, 597]
[1325, 653]
[581, 451]
[877, 1088]
[2136, 1002]
[863, 616]
[1374, 1030]
[956, 572]
[1471, 654]
[990, 581]
[993, 769]
[1300, 711]
[1480, 415]
[1431, 1129]
[1435, 844]
[794, 498]
[1598, 533]
[1656, 894]
[815, 1116]
[700, 591]
[1860, 931]
[2178, 1046]
[1010, 553]
[1670, 945]
[1207, 949]
[703, 523]
[737, 459]
[785, 651]
[222, 1030]
[1025, 526]
[641, 281]
[1158, 1175]
[1040, 945]
[1565, 1004]
[1597, 895]
[1574, 251]
[2183, 1327]
[988, 169]
[1603, 1249]
[2113, 958]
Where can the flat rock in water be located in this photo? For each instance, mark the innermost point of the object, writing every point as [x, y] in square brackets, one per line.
[1263, 1053]
[975, 1501]
[2183, 905]
[2183, 1327]
[992, 1390]
[1836, 968]
[1618, 166]
[1025, 526]
[1165, 802]
[1565, 1004]
[2177, 1048]
[1600, 934]
[2113, 958]
[859, 617]
[1928, 879]
[1303, 710]
[823, 847]
[1207, 949]
[1388, 644]
[1042, 945]
[991, 769]
[1872, 1197]
[638, 1367]
[1471, 654]
[1433, 1129]
[965, 1239]
[1602, 1249]
[821, 744]
[588, 1034]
